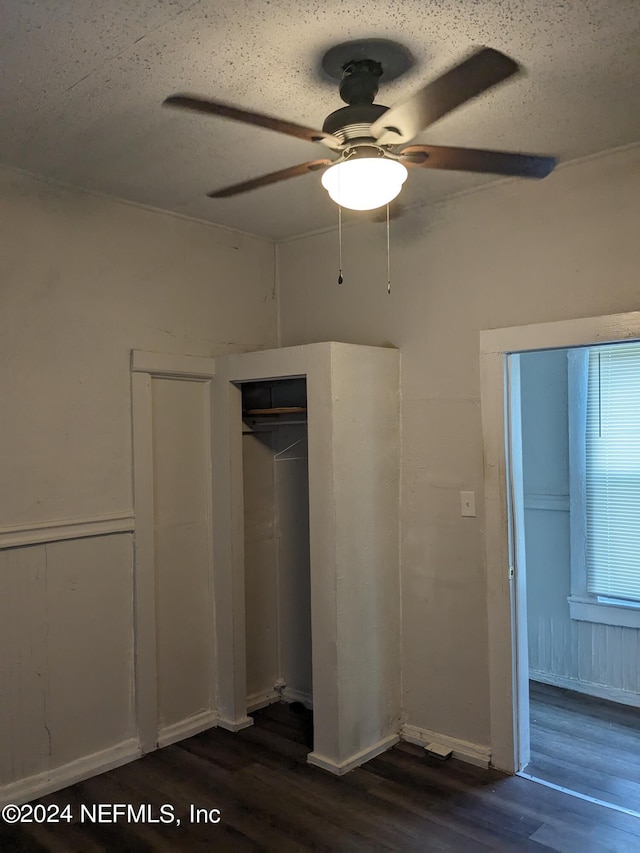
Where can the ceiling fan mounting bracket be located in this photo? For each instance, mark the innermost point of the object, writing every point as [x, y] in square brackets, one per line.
[393, 58]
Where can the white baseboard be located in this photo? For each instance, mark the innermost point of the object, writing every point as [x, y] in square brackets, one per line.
[25, 790]
[290, 694]
[235, 725]
[600, 691]
[261, 700]
[339, 768]
[187, 728]
[472, 753]
[269, 697]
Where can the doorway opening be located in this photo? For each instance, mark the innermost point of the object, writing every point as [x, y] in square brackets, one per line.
[580, 495]
[504, 515]
[277, 578]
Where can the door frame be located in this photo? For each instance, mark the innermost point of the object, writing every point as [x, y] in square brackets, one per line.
[499, 396]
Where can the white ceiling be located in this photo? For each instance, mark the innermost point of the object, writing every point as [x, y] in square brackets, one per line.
[83, 81]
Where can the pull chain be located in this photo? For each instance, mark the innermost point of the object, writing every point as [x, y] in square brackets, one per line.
[388, 255]
[340, 278]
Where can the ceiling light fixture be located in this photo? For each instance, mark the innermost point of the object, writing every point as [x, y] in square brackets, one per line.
[364, 180]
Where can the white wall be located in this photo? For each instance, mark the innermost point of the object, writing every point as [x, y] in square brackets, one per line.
[516, 253]
[545, 464]
[83, 280]
[590, 657]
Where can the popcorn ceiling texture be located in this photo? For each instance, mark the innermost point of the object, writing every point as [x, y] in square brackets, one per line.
[83, 85]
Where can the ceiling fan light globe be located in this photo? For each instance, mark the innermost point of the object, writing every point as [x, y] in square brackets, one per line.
[364, 183]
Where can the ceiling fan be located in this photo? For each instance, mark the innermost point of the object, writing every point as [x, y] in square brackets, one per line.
[371, 140]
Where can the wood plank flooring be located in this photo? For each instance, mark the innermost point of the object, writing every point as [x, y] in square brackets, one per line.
[270, 799]
[585, 744]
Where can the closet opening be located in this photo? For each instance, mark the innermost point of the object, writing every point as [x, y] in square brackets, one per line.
[277, 552]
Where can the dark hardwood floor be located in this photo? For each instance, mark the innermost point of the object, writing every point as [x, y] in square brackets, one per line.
[270, 799]
[585, 744]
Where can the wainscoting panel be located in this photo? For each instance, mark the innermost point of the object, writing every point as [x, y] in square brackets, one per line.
[66, 646]
[601, 660]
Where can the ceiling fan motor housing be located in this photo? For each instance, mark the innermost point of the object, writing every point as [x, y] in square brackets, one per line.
[358, 88]
[353, 122]
[359, 83]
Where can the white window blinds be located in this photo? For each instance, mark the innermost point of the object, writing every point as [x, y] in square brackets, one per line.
[613, 471]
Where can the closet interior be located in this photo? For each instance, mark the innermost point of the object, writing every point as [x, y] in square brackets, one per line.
[276, 547]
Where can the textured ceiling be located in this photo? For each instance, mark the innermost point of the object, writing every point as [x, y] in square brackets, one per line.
[83, 82]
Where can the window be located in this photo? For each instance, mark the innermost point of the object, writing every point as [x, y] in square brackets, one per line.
[613, 471]
[604, 437]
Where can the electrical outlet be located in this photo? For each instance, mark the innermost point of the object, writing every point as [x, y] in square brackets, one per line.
[468, 504]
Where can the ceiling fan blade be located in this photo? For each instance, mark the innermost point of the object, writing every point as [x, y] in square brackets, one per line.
[404, 120]
[477, 160]
[202, 105]
[271, 178]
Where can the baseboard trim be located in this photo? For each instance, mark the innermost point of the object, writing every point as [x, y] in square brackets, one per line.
[269, 697]
[472, 753]
[48, 781]
[261, 700]
[235, 725]
[599, 691]
[339, 768]
[187, 728]
[290, 694]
